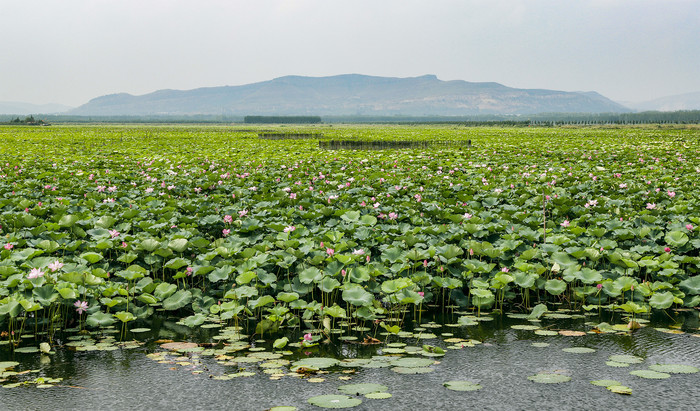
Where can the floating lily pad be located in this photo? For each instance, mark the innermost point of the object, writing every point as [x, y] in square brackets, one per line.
[5, 365]
[605, 383]
[629, 359]
[540, 344]
[27, 350]
[525, 327]
[412, 362]
[549, 378]
[650, 374]
[361, 389]
[317, 363]
[378, 395]
[354, 362]
[620, 389]
[673, 368]
[571, 333]
[334, 401]
[176, 346]
[546, 332]
[578, 350]
[283, 408]
[412, 370]
[140, 330]
[462, 386]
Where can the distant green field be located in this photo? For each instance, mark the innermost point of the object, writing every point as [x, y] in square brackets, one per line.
[212, 222]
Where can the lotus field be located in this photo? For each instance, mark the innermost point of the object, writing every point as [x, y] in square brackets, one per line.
[106, 225]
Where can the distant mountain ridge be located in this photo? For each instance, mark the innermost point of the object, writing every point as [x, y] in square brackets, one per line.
[687, 101]
[351, 94]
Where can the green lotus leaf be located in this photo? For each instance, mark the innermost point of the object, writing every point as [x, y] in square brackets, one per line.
[362, 389]
[125, 316]
[91, 257]
[537, 311]
[409, 362]
[310, 275]
[691, 285]
[178, 245]
[194, 320]
[462, 386]
[334, 401]
[555, 286]
[287, 297]
[357, 296]
[246, 277]
[178, 300]
[164, 290]
[261, 302]
[661, 301]
[280, 343]
[316, 363]
[177, 263]
[674, 368]
[100, 319]
[605, 383]
[650, 374]
[619, 389]
[676, 239]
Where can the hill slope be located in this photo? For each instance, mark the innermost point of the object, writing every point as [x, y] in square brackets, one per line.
[351, 94]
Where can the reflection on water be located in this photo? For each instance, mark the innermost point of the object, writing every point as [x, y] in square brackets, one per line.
[126, 378]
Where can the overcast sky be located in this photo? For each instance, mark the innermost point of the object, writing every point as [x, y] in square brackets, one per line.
[69, 51]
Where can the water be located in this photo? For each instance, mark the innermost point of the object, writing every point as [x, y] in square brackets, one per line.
[128, 379]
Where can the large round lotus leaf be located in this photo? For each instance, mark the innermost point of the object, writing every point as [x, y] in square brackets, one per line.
[651, 374]
[412, 370]
[620, 389]
[378, 395]
[589, 276]
[578, 350]
[357, 296]
[361, 389]
[376, 364]
[334, 401]
[177, 300]
[661, 301]
[629, 359]
[283, 408]
[549, 378]
[412, 362]
[676, 238]
[462, 386]
[317, 363]
[546, 332]
[691, 285]
[674, 368]
[605, 383]
[554, 286]
[100, 319]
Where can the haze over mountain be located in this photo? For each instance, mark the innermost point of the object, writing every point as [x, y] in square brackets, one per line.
[20, 108]
[687, 101]
[351, 94]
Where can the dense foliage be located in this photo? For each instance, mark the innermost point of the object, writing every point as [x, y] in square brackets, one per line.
[119, 221]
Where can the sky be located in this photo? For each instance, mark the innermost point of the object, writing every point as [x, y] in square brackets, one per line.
[70, 51]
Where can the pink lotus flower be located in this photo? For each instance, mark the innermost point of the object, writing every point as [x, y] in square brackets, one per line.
[114, 233]
[55, 266]
[651, 206]
[393, 216]
[228, 219]
[80, 306]
[330, 251]
[689, 227]
[671, 193]
[189, 271]
[225, 232]
[421, 293]
[242, 213]
[667, 249]
[8, 246]
[308, 337]
[289, 229]
[566, 223]
[468, 216]
[505, 269]
[343, 272]
[599, 286]
[359, 251]
[35, 273]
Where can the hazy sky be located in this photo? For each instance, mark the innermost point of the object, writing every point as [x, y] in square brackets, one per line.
[69, 51]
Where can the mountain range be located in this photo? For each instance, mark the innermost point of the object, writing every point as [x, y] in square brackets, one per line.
[351, 94]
